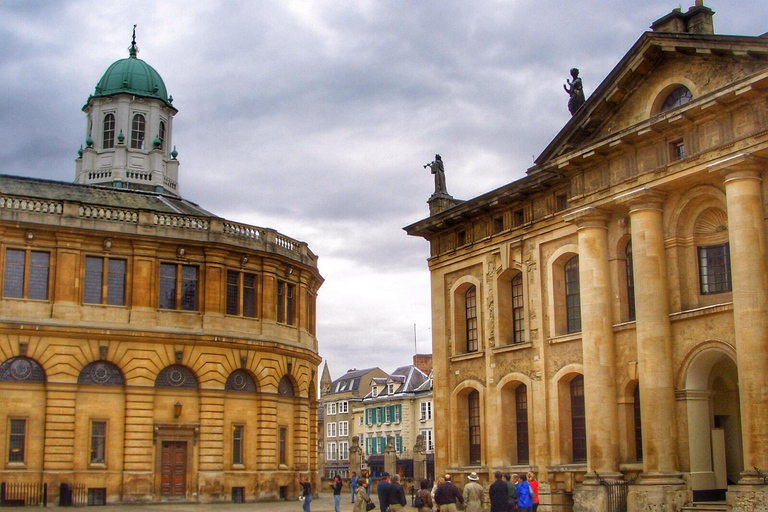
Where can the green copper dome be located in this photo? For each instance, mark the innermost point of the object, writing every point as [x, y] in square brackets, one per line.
[132, 76]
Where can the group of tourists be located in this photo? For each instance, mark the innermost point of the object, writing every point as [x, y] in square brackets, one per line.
[509, 493]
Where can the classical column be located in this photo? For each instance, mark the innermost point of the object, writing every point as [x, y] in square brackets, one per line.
[654, 338]
[597, 342]
[749, 272]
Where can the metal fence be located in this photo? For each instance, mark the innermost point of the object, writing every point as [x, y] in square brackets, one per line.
[18, 494]
[617, 491]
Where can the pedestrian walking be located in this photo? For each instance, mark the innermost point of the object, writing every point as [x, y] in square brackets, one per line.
[353, 482]
[306, 493]
[424, 497]
[396, 495]
[336, 486]
[362, 499]
[383, 490]
[473, 494]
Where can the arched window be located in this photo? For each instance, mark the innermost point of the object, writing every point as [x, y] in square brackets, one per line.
[470, 306]
[473, 406]
[638, 426]
[521, 417]
[285, 387]
[21, 369]
[108, 141]
[572, 295]
[578, 420]
[176, 376]
[240, 380]
[161, 134]
[518, 316]
[630, 282]
[678, 97]
[137, 132]
[101, 373]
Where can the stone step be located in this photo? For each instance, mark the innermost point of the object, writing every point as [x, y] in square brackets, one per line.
[706, 507]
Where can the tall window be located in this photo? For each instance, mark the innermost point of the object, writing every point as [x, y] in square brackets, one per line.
[630, 282]
[17, 440]
[237, 444]
[518, 318]
[521, 420]
[96, 289]
[714, 269]
[426, 411]
[429, 442]
[285, 302]
[330, 409]
[343, 428]
[330, 430]
[178, 286]
[161, 134]
[283, 445]
[343, 407]
[241, 293]
[578, 420]
[331, 451]
[137, 132]
[638, 426]
[344, 450]
[572, 295]
[26, 274]
[98, 442]
[470, 306]
[108, 141]
[473, 405]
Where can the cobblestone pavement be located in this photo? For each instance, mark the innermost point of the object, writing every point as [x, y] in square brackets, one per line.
[323, 503]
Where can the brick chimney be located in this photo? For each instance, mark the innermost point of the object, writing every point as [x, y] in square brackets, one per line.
[423, 362]
[697, 20]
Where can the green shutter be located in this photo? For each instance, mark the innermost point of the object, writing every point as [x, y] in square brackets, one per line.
[382, 443]
[399, 416]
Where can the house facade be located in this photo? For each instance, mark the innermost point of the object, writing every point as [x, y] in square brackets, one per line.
[603, 319]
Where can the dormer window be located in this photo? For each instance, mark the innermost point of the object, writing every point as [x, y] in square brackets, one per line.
[390, 389]
[677, 98]
[375, 391]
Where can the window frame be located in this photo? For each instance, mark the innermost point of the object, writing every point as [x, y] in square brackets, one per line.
[343, 407]
[282, 445]
[470, 320]
[521, 424]
[138, 130]
[330, 450]
[429, 440]
[720, 282]
[103, 441]
[286, 303]
[473, 430]
[240, 294]
[22, 460]
[425, 410]
[638, 425]
[343, 429]
[161, 133]
[343, 452]
[572, 295]
[330, 409]
[330, 429]
[578, 420]
[518, 309]
[29, 274]
[238, 444]
[108, 128]
[106, 284]
[630, 282]
[179, 286]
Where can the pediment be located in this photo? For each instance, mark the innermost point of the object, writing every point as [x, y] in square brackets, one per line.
[658, 63]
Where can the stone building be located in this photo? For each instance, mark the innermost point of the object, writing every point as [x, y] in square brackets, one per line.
[338, 398]
[399, 406]
[606, 316]
[149, 349]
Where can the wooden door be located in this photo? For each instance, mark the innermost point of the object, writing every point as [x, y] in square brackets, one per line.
[174, 469]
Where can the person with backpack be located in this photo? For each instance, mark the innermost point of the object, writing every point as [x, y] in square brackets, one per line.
[524, 495]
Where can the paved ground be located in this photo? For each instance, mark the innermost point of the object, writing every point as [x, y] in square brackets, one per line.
[324, 503]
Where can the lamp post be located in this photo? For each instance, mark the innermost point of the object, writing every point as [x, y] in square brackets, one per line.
[177, 410]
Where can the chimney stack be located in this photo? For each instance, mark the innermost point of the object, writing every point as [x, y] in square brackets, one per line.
[697, 20]
[423, 362]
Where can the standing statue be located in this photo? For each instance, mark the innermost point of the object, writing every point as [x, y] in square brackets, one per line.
[576, 92]
[438, 170]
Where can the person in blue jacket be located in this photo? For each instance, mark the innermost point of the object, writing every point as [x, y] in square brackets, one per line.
[524, 495]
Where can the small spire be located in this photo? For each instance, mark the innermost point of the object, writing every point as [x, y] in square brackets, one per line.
[133, 49]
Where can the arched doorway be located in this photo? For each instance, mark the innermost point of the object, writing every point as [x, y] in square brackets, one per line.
[714, 421]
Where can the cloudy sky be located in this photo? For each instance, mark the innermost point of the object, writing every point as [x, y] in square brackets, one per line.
[315, 118]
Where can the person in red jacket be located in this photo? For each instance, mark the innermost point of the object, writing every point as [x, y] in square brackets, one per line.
[535, 486]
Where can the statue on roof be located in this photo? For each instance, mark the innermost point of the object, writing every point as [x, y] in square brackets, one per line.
[576, 90]
[438, 170]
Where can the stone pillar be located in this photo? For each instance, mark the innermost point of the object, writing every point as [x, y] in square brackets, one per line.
[419, 461]
[390, 456]
[597, 342]
[661, 483]
[211, 443]
[138, 481]
[749, 272]
[355, 454]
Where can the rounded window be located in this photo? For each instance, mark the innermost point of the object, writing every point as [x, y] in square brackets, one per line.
[677, 98]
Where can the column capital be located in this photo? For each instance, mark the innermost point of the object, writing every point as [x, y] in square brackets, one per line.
[588, 216]
[741, 166]
[642, 199]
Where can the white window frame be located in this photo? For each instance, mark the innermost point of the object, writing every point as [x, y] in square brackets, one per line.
[330, 409]
[426, 411]
[330, 451]
[343, 450]
[390, 389]
[375, 391]
[343, 428]
[429, 441]
[343, 407]
[330, 429]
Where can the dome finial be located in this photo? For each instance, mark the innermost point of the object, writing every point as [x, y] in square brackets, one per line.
[133, 50]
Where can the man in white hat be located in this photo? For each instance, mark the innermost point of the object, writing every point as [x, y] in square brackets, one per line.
[473, 494]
